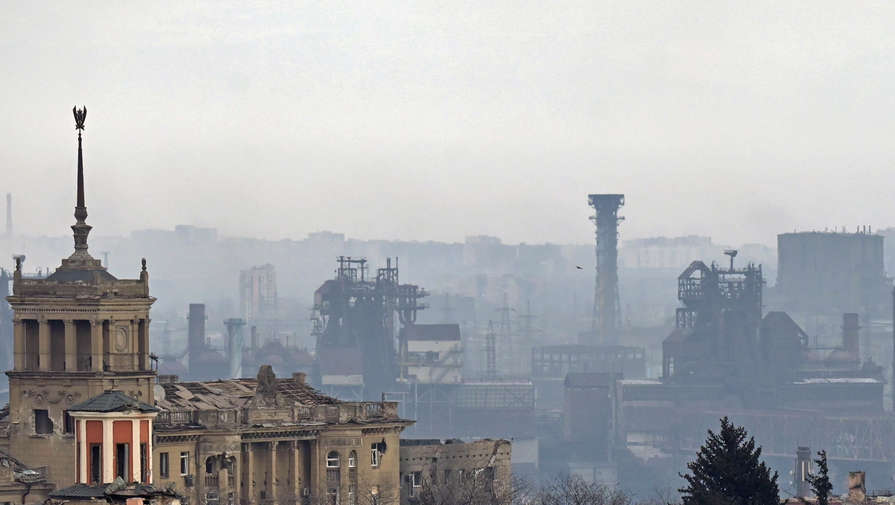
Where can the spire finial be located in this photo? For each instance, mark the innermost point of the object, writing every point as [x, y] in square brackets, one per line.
[81, 229]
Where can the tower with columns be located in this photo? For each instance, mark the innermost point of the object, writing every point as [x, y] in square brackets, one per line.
[77, 333]
[114, 439]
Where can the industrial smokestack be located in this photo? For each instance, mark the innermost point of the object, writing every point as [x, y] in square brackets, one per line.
[196, 341]
[850, 340]
[801, 472]
[234, 345]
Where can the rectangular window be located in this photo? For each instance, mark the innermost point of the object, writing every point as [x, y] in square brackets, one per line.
[375, 455]
[184, 463]
[122, 455]
[96, 464]
[352, 460]
[42, 423]
[416, 482]
[163, 469]
[68, 423]
[144, 468]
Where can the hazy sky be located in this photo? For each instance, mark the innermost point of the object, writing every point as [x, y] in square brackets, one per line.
[435, 120]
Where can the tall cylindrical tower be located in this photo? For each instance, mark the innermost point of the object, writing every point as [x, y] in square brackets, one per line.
[606, 317]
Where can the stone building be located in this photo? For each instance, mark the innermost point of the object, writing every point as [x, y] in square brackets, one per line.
[445, 466]
[85, 404]
[270, 440]
[21, 484]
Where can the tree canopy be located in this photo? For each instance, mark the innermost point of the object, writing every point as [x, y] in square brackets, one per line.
[728, 471]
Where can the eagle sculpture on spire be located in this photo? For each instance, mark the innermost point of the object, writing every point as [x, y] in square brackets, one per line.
[80, 116]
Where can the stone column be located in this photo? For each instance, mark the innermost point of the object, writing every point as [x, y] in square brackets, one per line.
[144, 358]
[18, 332]
[43, 344]
[250, 474]
[134, 348]
[96, 345]
[136, 467]
[71, 346]
[295, 461]
[108, 447]
[237, 478]
[149, 454]
[84, 448]
[273, 472]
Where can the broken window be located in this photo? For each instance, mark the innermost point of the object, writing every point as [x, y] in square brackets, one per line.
[375, 455]
[416, 482]
[68, 423]
[42, 423]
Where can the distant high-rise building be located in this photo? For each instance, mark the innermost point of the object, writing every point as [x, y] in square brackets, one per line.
[258, 293]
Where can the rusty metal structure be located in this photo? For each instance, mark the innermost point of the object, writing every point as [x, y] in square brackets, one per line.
[606, 316]
[717, 326]
[354, 324]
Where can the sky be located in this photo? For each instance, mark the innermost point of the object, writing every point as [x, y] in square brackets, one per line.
[434, 120]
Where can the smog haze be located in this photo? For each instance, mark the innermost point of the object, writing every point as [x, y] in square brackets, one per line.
[434, 120]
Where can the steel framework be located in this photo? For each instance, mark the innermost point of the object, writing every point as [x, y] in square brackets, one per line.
[606, 311]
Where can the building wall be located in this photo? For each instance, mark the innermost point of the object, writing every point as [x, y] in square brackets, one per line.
[838, 272]
[280, 468]
[425, 461]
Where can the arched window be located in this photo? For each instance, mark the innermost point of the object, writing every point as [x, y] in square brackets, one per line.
[332, 459]
[352, 459]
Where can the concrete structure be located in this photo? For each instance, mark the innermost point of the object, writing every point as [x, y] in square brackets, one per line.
[446, 466]
[551, 364]
[258, 294]
[823, 272]
[431, 353]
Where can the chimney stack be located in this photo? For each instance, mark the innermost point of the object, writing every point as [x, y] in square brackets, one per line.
[234, 345]
[802, 471]
[196, 340]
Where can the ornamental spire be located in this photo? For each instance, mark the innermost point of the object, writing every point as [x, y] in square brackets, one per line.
[81, 229]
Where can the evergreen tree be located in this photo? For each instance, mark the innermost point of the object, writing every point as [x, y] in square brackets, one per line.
[727, 471]
[820, 482]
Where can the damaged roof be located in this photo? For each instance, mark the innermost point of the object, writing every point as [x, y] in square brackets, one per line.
[234, 394]
[112, 401]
